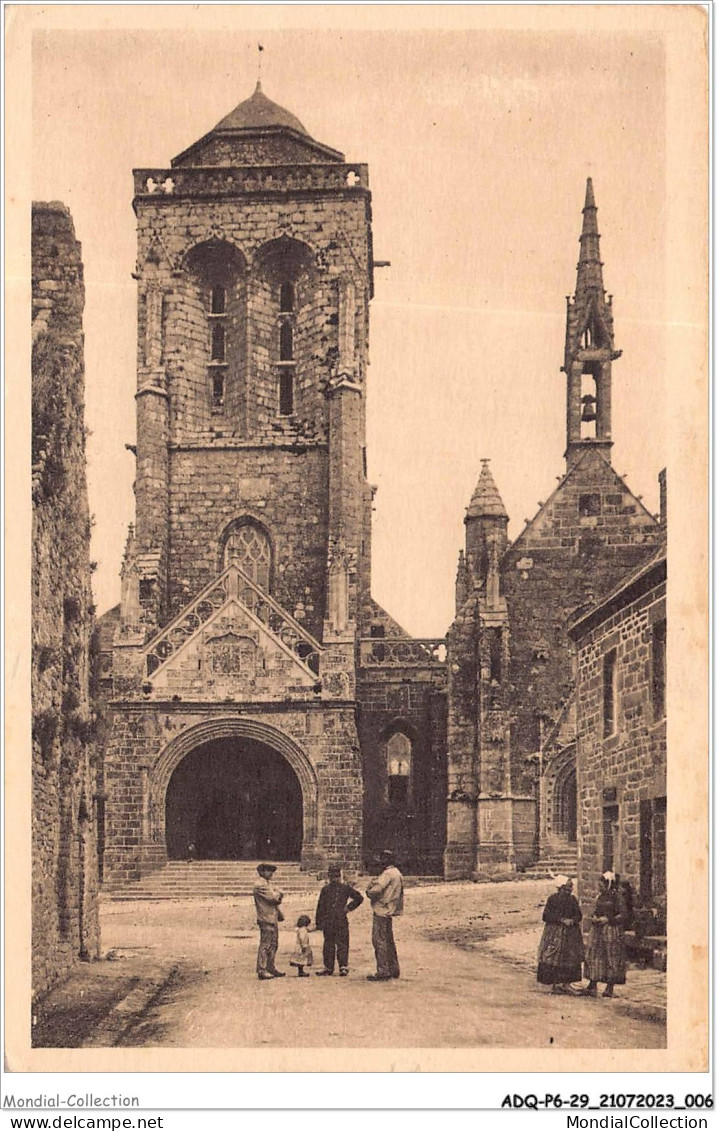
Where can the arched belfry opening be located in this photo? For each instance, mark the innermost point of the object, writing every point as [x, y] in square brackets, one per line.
[234, 798]
[285, 283]
[216, 309]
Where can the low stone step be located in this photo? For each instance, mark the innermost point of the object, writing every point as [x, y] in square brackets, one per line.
[126, 895]
[546, 861]
[216, 881]
[556, 868]
[249, 865]
[552, 868]
[200, 881]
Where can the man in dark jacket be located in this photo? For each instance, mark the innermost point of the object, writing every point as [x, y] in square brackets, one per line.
[335, 902]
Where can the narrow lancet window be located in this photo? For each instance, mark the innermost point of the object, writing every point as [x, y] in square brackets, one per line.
[609, 693]
[496, 654]
[286, 342]
[286, 298]
[399, 751]
[286, 392]
[218, 389]
[219, 344]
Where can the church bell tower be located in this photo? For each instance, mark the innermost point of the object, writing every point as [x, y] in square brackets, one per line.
[245, 572]
[254, 275]
[589, 347]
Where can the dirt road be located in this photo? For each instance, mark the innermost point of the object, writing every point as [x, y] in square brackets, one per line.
[448, 995]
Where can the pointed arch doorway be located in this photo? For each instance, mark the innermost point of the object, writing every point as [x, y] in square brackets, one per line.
[565, 814]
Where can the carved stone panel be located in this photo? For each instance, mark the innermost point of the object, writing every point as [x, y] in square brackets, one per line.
[232, 655]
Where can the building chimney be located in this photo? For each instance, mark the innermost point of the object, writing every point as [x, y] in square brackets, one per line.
[662, 480]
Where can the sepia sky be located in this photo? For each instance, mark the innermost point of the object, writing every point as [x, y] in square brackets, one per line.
[479, 142]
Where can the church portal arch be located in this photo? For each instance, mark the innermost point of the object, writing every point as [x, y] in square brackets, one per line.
[218, 742]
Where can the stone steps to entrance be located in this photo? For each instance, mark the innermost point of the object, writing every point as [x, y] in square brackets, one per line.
[210, 879]
[558, 857]
[223, 879]
[565, 864]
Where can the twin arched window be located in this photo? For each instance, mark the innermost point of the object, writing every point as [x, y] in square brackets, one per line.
[284, 270]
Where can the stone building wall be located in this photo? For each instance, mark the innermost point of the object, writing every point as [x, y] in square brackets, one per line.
[412, 702]
[65, 923]
[621, 775]
[319, 741]
[463, 740]
[285, 493]
[562, 559]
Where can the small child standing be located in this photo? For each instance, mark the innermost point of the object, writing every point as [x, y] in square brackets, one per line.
[303, 955]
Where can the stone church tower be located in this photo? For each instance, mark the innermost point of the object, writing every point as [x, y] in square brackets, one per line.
[244, 579]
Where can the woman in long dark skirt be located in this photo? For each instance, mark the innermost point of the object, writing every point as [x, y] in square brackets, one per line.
[561, 952]
[605, 958]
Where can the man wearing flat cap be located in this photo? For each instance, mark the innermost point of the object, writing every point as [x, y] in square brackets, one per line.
[335, 902]
[385, 893]
[268, 916]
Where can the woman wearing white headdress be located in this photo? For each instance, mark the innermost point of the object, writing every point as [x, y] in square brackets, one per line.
[605, 958]
[560, 954]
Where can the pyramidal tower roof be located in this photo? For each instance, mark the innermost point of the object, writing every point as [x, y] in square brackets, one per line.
[486, 501]
[259, 113]
[243, 135]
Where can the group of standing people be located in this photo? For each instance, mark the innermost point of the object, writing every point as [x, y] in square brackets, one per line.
[562, 953]
[336, 901]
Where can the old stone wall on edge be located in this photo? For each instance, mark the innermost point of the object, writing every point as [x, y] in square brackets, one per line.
[65, 923]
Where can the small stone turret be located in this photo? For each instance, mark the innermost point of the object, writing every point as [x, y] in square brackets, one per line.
[486, 524]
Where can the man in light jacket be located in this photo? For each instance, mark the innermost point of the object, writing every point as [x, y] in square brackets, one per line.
[385, 894]
[268, 917]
